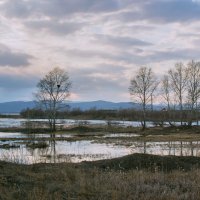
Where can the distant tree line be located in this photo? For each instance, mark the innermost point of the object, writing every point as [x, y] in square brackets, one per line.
[158, 117]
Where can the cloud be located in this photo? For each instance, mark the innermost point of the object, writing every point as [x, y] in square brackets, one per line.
[104, 69]
[122, 29]
[15, 87]
[100, 40]
[53, 26]
[99, 80]
[121, 42]
[66, 7]
[18, 9]
[176, 55]
[164, 11]
[150, 10]
[14, 81]
[173, 11]
[89, 54]
[13, 59]
[151, 57]
[53, 8]
[162, 56]
[99, 86]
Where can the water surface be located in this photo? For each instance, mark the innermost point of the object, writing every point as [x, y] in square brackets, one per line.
[87, 150]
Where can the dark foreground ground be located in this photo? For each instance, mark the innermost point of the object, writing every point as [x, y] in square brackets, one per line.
[137, 176]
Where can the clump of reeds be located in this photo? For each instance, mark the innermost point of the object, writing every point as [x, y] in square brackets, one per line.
[39, 145]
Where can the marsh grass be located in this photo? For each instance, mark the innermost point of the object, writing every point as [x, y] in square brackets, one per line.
[9, 146]
[35, 145]
[101, 180]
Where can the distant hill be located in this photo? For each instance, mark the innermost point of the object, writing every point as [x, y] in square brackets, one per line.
[105, 105]
[18, 106]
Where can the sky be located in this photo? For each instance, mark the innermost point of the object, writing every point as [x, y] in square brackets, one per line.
[101, 43]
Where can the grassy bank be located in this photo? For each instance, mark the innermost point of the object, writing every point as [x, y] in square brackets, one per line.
[75, 129]
[131, 177]
[157, 130]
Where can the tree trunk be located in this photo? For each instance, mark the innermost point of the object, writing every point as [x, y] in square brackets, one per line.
[144, 116]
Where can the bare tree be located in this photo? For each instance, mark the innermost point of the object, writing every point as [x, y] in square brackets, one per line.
[178, 79]
[142, 88]
[52, 91]
[166, 90]
[168, 96]
[165, 85]
[193, 88]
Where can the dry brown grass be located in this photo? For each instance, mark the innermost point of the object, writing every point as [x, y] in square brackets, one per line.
[81, 182]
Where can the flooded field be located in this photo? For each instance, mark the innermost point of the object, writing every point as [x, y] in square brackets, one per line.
[23, 148]
[11, 122]
[18, 122]
[59, 151]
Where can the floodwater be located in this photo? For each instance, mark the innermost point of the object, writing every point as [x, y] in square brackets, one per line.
[87, 150]
[18, 151]
[62, 151]
[175, 148]
[11, 122]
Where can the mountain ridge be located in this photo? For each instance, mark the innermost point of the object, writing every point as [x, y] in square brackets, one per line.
[18, 106]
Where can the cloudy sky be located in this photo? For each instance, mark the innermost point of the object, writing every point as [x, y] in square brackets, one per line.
[99, 42]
